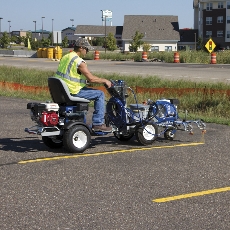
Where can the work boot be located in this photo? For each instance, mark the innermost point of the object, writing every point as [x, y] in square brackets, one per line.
[102, 128]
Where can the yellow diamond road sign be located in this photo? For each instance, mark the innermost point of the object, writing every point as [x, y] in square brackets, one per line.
[210, 45]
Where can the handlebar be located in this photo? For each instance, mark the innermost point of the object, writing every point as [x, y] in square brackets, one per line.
[118, 89]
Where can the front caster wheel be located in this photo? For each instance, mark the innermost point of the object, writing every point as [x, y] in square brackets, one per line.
[77, 139]
[170, 134]
[146, 134]
[52, 142]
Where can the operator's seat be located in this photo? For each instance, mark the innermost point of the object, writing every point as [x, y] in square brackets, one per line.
[60, 94]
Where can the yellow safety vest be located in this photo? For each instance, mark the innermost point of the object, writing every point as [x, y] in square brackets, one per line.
[68, 72]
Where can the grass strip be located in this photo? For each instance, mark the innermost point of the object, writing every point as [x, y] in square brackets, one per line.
[211, 107]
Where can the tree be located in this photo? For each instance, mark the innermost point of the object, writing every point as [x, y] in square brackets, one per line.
[46, 42]
[98, 41]
[36, 44]
[136, 42]
[28, 36]
[14, 39]
[65, 42]
[200, 44]
[111, 42]
[5, 40]
[21, 39]
[146, 47]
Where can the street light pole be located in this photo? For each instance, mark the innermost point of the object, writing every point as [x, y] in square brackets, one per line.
[42, 27]
[35, 30]
[0, 25]
[105, 34]
[52, 31]
[72, 22]
[9, 27]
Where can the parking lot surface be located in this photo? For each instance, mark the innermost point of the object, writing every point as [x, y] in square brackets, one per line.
[179, 184]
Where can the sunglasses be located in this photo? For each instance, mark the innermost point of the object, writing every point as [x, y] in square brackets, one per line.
[85, 48]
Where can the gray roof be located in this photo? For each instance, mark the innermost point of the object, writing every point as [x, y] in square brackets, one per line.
[69, 28]
[89, 30]
[154, 27]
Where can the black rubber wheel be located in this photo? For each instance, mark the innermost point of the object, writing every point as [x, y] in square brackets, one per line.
[53, 143]
[170, 134]
[77, 139]
[146, 134]
[124, 137]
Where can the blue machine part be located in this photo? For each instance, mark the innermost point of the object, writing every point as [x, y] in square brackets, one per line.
[116, 112]
[138, 112]
[167, 112]
[72, 113]
[118, 90]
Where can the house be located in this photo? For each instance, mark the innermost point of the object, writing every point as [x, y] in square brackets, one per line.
[161, 32]
[99, 31]
[212, 19]
[39, 34]
[69, 32]
[18, 33]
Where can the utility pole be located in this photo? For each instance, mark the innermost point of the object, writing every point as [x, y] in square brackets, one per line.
[52, 32]
[0, 25]
[9, 27]
[35, 31]
[42, 27]
[72, 22]
[105, 34]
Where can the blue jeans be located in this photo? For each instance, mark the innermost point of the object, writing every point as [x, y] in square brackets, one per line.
[99, 98]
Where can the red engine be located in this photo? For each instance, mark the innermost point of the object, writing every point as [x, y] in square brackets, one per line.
[49, 118]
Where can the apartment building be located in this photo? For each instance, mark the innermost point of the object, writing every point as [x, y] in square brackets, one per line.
[212, 20]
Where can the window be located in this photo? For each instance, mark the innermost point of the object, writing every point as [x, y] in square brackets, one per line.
[155, 48]
[208, 20]
[220, 33]
[209, 6]
[228, 5]
[168, 48]
[208, 34]
[228, 34]
[220, 5]
[220, 19]
[228, 19]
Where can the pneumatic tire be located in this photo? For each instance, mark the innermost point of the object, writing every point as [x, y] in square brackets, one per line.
[146, 134]
[77, 139]
[170, 134]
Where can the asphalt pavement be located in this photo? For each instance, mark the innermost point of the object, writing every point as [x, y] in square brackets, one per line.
[171, 185]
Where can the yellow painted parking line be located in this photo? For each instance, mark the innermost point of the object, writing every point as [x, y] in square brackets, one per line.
[106, 153]
[189, 195]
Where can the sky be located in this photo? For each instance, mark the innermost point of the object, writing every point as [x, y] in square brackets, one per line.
[22, 13]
